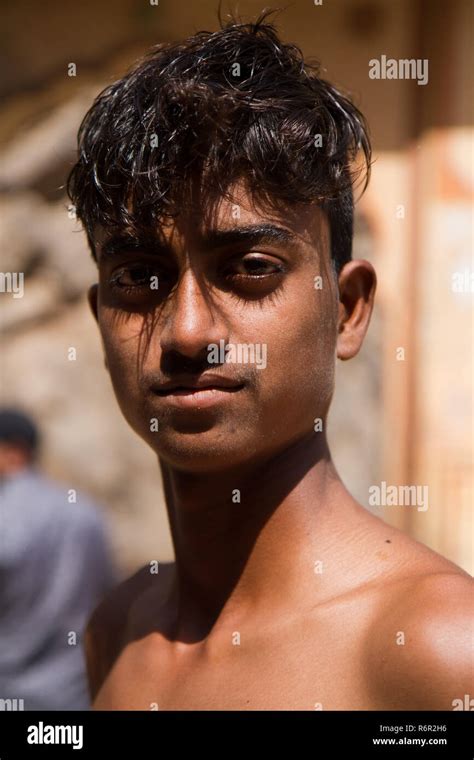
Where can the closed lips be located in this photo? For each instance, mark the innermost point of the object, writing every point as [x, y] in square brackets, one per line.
[206, 382]
[197, 389]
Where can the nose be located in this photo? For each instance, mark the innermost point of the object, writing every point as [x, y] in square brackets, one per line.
[190, 322]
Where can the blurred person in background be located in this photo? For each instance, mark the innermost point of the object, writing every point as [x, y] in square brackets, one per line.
[55, 566]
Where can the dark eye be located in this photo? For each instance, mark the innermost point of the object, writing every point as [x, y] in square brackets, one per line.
[136, 277]
[253, 267]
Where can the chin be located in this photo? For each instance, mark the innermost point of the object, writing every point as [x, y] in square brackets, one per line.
[203, 452]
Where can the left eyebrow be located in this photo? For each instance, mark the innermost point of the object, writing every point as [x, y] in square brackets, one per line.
[250, 235]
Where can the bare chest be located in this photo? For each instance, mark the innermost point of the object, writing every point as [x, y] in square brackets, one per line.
[308, 668]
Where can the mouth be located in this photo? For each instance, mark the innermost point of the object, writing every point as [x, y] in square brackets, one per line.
[181, 390]
[198, 396]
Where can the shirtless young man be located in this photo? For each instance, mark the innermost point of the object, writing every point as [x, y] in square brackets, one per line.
[215, 186]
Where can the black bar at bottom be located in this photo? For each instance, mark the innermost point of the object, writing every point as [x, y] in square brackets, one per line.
[311, 734]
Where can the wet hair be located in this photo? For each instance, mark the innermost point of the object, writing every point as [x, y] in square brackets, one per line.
[235, 104]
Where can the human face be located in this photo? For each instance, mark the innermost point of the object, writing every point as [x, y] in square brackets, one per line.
[160, 304]
[14, 457]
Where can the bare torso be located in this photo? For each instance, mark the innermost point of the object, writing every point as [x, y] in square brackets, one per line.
[362, 648]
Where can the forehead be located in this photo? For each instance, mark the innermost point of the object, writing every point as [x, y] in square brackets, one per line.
[306, 224]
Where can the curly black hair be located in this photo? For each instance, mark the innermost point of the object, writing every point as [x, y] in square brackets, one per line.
[220, 106]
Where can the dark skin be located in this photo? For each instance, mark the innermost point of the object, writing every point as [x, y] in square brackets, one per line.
[294, 596]
[14, 457]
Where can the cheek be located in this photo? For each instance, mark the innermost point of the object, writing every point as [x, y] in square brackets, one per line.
[120, 341]
[123, 342]
[298, 383]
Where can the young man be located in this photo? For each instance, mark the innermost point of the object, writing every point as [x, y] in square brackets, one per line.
[215, 183]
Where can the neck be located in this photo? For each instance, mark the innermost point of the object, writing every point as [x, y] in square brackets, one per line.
[238, 557]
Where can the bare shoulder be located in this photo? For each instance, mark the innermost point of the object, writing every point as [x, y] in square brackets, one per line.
[420, 644]
[105, 632]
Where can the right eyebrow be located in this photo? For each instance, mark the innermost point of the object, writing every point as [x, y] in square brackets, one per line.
[118, 244]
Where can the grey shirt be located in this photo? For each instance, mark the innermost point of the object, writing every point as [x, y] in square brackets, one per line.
[54, 569]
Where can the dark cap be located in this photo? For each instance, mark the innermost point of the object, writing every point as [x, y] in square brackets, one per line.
[17, 427]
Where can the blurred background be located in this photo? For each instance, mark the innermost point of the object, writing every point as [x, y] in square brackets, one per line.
[399, 416]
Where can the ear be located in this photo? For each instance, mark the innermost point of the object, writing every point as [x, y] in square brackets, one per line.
[93, 300]
[357, 283]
